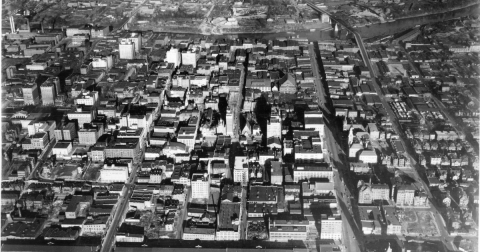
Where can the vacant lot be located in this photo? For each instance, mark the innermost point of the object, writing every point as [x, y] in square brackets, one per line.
[418, 222]
[93, 172]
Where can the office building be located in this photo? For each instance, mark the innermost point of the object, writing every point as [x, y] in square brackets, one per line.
[331, 227]
[200, 186]
[30, 94]
[90, 134]
[66, 132]
[285, 230]
[37, 126]
[82, 115]
[240, 172]
[48, 93]
[126, 49]
[190, 57]
[229, 122]
[123, 148]
[174, 56]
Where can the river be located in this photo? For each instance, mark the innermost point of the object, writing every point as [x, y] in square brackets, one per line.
[390, 28]
[374, 30]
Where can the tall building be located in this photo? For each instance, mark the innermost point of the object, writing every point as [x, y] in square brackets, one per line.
[89, 136]
[87, 98]
[133, 37]
[190, 57]
[48, 127]
[200, 186]
[66, 132]
[126, 49]
[48, 93]
[240, 172]
[173, 56]
[30, 94]
[229, 123]
[83, 115]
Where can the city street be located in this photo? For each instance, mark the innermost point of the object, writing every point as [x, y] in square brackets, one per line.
[182, 215]
[109, 239]
[238, 107]
[351, 231]
[41, 159]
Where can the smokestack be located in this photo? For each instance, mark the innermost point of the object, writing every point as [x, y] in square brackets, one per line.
[12, 24]
[41, 24]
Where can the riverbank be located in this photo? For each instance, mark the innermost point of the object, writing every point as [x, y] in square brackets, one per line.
[399, 25]
[474, 5]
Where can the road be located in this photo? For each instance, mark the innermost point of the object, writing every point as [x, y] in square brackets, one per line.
[243, 213]
[182, 214]
[351, 231]
[238, 107]
[41, 159]
[109, 239]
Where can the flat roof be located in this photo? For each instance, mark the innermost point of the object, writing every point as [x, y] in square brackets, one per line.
[229, 213]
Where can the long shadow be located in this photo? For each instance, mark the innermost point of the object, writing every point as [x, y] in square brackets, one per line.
[342, 166]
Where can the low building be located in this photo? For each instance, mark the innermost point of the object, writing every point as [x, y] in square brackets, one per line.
[307, 171]
[285, 233]
[96, 225]
[78, 206]
[23, 230]
[405, 195]
[331, 226]
[62, 234]
[196, 233]
[228, 219]
[114, 173]
[130, 233]
[393, 225]
[62, 149]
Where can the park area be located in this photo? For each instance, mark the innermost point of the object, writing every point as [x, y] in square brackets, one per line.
[416, 222]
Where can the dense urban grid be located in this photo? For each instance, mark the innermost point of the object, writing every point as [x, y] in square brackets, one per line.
[118, 139]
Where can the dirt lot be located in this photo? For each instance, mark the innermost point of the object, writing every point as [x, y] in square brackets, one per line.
[221, 10]
[416, 222]
[93, 172]
[65, 169]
